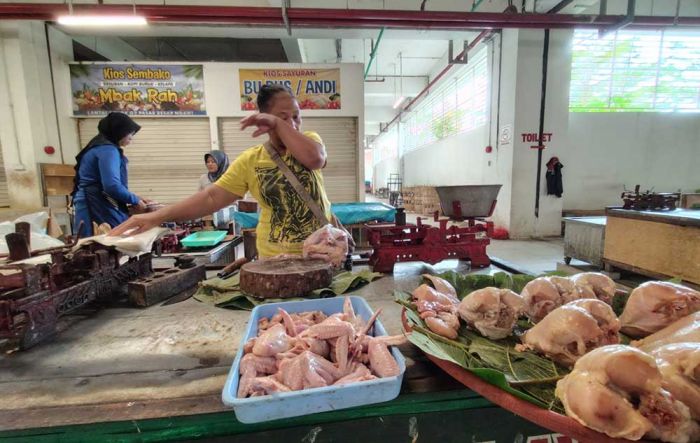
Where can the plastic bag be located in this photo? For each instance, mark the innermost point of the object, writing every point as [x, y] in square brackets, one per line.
[328, 243]
[130, 245]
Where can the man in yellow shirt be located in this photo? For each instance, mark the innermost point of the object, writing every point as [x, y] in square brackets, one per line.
[285, 219]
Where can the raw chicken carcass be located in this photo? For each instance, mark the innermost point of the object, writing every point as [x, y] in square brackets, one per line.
[544, 294]
[687, 329]
[327, 243]
[572, 330]
[654, 305]
[540, 297]
[599, 284]
[679, 364]
[617, 390]
[438, 310]
[491, 311]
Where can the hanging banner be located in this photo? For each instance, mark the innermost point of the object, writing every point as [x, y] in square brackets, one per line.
[314, 88]
[137, 89]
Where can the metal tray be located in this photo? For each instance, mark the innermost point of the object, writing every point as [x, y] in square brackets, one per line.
[475, 201]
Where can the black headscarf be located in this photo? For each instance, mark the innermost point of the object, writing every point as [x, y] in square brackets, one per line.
[112, 129]
[221, 160]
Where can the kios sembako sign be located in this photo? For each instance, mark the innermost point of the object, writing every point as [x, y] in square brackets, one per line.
[137, 89]
[314, 88]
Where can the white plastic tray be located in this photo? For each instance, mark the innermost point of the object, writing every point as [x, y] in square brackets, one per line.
[309, 401]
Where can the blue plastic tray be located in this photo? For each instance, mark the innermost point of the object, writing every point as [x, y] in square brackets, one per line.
[309, 401]
[203, 239]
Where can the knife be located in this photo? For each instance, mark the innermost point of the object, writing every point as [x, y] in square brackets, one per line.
[231, 269]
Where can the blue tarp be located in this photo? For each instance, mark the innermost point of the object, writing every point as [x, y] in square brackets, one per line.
[347, 213]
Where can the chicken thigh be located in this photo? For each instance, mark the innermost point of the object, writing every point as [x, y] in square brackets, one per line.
[687, 329]
[491, 311]
[654, 305]
[617, 390]
[679, 365]
[572, 330]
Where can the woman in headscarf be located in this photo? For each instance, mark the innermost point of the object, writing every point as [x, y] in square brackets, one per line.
[101, 193]
[217, 164]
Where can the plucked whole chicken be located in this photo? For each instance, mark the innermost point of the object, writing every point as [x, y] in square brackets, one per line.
[617, 390]
[602, 286]
[491, 311]
[572, 330]
[679, 364]
[687, 329]
[328, 243]
[654, 305]
[312, 350]
[544, 294]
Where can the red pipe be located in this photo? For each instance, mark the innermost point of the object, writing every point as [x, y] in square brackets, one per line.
[308, 17]
[437, 78]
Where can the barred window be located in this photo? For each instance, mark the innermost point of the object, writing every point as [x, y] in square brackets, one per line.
[459, 104]
[635, 71]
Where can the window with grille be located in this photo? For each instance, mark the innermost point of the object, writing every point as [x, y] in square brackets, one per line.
[459, 104]
[635, 71]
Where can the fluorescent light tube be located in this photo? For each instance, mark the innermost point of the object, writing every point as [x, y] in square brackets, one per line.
[102, 20]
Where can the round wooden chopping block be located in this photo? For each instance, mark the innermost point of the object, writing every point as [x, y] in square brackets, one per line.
[284, 277]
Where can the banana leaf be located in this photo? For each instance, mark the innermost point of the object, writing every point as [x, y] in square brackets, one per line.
[227, 293]
[522, 373]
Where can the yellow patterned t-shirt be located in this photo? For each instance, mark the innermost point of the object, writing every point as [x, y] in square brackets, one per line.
[285, 220]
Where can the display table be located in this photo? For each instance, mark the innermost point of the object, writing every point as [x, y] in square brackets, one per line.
[155, 374]
[659, 244]
[584, 239]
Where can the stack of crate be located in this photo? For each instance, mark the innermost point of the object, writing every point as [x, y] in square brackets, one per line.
[422, 200]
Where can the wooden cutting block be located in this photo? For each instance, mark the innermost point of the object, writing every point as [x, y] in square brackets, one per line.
[284, 278]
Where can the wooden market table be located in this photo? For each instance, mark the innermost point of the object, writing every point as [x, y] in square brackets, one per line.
[658, 244]
[125, 374]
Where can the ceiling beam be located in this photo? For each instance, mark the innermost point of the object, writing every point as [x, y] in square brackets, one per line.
[333, 18]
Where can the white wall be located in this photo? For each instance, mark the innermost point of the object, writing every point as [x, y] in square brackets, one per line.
[609, 151]
[28, 119]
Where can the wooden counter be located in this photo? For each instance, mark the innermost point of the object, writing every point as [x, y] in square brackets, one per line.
[156, 374]
[659, 244]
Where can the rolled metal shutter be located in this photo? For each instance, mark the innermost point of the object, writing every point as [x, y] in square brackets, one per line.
[4, 197]
[339, 134]
[166, 157]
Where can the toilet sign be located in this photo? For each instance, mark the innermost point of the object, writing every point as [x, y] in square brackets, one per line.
[534, 137]
[505, 136]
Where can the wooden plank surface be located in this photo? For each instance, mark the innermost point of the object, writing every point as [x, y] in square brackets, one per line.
[681, 217]
[124, 363]
[660, 249]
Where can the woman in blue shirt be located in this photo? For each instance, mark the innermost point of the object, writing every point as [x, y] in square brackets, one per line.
[101, 193]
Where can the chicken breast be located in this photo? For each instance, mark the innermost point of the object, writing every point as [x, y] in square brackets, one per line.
[687, 329]
[570, 331]
[491, 311]
[654, 305]
[679, 364]
[617, 390]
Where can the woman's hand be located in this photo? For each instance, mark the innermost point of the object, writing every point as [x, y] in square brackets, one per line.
[264, 122]
[137, 224]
